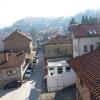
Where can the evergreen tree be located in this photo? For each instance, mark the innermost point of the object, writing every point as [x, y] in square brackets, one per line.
[83, 20]
[86, 20]
[72, 21]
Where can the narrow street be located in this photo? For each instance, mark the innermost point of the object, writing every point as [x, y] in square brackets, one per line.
[29, 90]
[38, 77]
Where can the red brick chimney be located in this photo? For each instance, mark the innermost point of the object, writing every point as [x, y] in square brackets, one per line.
[6, 56]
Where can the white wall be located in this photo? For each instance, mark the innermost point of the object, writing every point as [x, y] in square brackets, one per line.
[1, 44]
[60, 81]
[78, 44]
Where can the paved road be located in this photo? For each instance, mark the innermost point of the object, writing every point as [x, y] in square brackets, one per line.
[29, 90]
[38, 77]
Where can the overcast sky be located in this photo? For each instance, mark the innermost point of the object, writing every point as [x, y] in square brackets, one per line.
[12, 10]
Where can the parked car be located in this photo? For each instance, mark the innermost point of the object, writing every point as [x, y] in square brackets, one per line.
[30, 67]
[28, 74]
[35, 57]
[12, 84]
[34, 60]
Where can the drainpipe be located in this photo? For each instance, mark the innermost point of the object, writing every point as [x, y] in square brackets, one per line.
[78, 47]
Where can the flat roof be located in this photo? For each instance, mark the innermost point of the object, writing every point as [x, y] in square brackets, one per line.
[57, 63]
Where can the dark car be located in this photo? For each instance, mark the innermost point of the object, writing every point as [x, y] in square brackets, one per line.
[12, 84]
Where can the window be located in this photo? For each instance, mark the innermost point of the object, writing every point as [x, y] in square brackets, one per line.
[60, 70]
[9, 73]
[68, 68]
[91, 48]
[51, 73]
[85, 48]
[58, 50]
[14, 72]
[51, 68]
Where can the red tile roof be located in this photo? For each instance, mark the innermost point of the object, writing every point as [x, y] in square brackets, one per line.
[14, 60]
[59, 39]
[25, 35]
[80, 30]
[87, 67]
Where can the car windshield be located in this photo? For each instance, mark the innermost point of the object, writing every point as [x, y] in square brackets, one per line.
[27, 72]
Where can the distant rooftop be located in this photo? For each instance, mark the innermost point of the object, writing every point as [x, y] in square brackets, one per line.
[59, 39]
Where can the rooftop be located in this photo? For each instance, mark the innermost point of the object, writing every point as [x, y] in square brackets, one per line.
[81, 30]
[10, 60]
[59, 39]
[87, 67]
[25, 35]
[56, 62]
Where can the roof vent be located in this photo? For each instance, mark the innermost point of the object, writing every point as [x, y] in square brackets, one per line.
[92, 32]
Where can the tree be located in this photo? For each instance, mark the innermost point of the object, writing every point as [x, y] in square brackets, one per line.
[83, 20]
[72, 21]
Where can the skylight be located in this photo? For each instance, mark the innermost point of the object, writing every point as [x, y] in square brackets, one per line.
[92, 32]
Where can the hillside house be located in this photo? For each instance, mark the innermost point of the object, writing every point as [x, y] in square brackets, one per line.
[84, 38]
[13, 66]
[18, 41]
[59, 46]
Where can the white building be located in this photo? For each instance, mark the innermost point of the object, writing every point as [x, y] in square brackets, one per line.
[60, 74]
[85, 38]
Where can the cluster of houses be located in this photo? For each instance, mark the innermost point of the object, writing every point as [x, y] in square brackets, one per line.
[74, 59]
[16, 53]
[68, 60]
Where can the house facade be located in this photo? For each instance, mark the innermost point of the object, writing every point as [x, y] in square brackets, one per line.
[59, 46]
[13, 66]
[87, 71]
[16, 56]
[58, 74]
[84, 38]
[18, 41]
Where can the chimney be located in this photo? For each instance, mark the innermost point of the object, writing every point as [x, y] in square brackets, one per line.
[18, 30]
[6, 56]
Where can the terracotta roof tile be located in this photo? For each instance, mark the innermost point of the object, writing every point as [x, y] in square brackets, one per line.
[80, 30]
[87, 67]
[14, 60]
[21, 33]
[59, 40]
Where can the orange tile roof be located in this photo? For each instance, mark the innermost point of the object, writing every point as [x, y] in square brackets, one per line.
[80, 30]
[14, 60]
[59, 40]
[21, 33]
[87, 67]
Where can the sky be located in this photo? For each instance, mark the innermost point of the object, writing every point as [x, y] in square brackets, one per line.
[13, 10]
